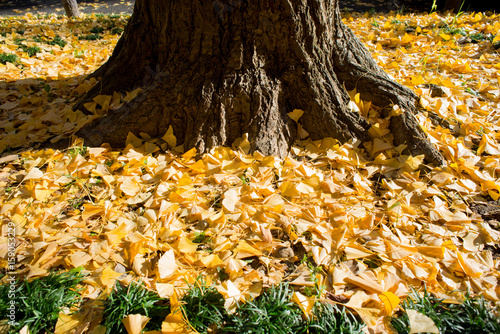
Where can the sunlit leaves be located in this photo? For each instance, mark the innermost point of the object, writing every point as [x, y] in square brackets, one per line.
[373, 220]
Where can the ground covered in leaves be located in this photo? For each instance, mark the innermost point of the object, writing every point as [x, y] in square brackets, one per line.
[357, 224]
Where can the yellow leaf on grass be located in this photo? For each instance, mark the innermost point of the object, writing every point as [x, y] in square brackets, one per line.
[296, 114]
[445, 36]
[174, 324]
[305, 303]
[420, 323]
[109, 277]
[167, 265]
[68, 323]
[165, 290]
[390, 300]
[135, 323]
[169, 137]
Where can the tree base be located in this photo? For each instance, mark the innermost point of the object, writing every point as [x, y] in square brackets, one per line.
[241, 70]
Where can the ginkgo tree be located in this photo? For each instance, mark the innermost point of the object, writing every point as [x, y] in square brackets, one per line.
[214, 71]
[71, 8]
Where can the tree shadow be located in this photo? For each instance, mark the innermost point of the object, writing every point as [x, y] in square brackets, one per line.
[49, 6]
[36, 98]
[36, 112]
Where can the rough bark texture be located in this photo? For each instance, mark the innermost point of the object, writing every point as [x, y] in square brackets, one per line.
[71, 8]
[215, 70]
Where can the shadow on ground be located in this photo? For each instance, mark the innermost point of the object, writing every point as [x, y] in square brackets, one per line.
[21, 7]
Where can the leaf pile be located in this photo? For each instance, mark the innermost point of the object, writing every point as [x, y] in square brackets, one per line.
[43, 63]
[365, 221]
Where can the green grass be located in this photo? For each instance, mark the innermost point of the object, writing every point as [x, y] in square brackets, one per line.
[203, 306]
[30, 50]
[329, 318]
[90, 37]
[271, 312]
[274, 312]
[134, 299]
[57, 41]
[97, 30]
[8, 58]
[39, 302]
[474, 315]
[116, 31]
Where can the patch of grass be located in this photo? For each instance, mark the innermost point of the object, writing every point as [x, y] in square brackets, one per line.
[454, 31]
[39, 302]
[271, 312]
[57, 41]
[97, 30]
[74, 151]
[329, 318]
[8, 58]
[199, 237]
[316, 289]
[54, 41]
[30, 50]
[203, 306]
[480, 37]
[90, 37]
[116, 31]
[474, 315]
[133, 299]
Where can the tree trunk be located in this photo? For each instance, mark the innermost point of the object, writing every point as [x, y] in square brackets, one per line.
[215, 70]
[71, 8]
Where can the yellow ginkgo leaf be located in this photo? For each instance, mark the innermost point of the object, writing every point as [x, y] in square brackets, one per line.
[103, 101]
[33, 174]
[170, 138]
[68, 323]
[390, 301]
[133, 140]
[420, 323]
[108, 277]
[231, 198]
[135, 323]
[167, 265]
[296, 114]
[305, 303]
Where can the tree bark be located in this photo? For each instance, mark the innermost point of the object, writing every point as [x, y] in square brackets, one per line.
[215, 70]
[71, 8]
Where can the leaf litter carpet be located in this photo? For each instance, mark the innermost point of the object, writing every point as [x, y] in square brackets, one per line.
[375, 221]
